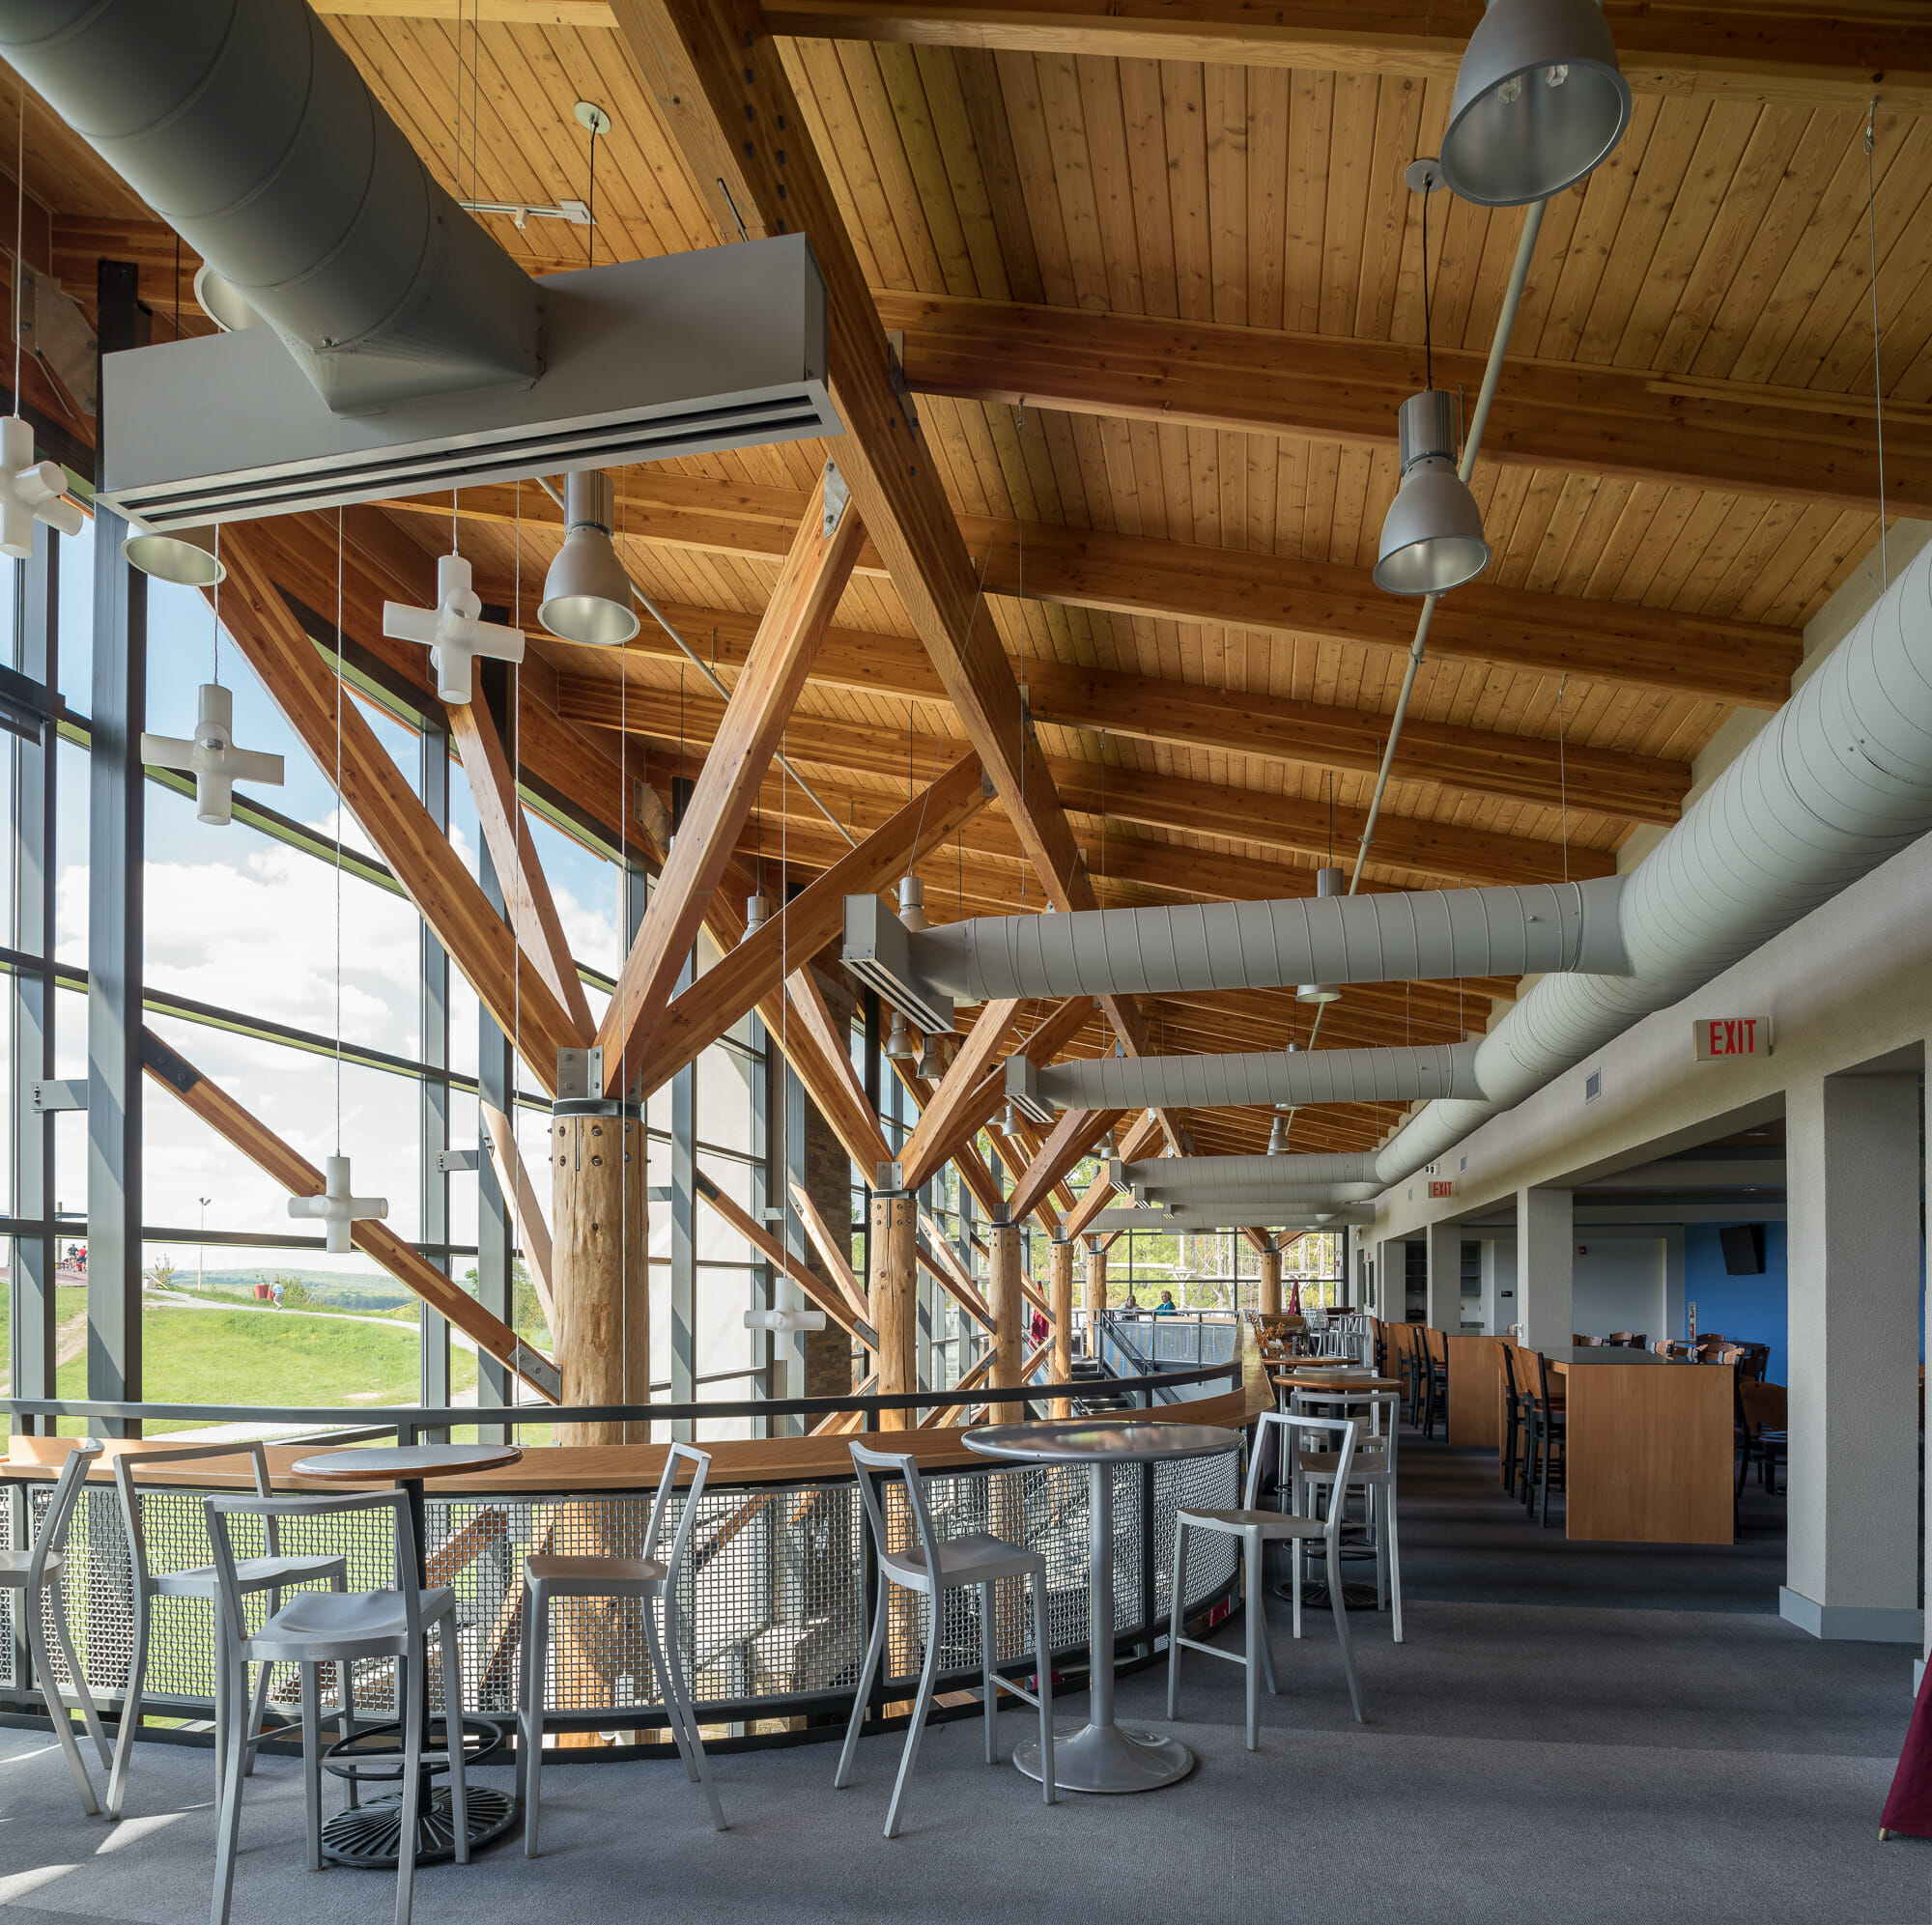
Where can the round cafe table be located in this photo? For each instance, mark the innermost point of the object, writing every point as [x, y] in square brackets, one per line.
[1103, 1756]
[367, 1835]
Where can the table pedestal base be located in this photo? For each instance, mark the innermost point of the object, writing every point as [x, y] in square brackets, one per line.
[1109, 1758]
[366, 1835]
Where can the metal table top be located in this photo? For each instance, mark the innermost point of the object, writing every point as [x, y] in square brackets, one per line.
[1085, 1441]
[393, 1463]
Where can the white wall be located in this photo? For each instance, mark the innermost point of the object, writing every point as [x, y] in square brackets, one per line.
[1619, 1283]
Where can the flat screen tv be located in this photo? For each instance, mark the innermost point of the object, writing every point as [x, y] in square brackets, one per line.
[1744, 1249]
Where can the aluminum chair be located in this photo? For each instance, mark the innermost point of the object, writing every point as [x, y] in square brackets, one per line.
[34, 1577]
[339, 1629]
[646, 1579]
[1257, 1528]
[271, 1573]
[1373, 1474]
[930, 1567]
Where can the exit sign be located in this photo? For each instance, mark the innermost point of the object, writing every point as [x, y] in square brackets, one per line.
[1447, 1189]
[1731, 1036]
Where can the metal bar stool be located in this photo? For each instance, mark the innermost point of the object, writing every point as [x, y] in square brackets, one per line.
[646, 1580]
[1256, 1528]
[273, 1572]
[34, 1577]
[1373, 1474]
[339, 1629]
[930, 1567]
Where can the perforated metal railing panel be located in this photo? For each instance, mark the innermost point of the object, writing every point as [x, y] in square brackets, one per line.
[771, 1607]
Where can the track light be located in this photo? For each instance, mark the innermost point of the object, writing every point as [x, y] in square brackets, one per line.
[586, 593]
[898, 1041]
[1539, 103]
[1432, 536]
[912, 904]
[1327, 882]
[185, 557]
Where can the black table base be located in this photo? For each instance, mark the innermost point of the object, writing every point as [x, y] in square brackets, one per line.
[366, 1835]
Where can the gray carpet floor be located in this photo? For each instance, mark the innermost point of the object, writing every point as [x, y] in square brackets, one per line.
[1527, 1760]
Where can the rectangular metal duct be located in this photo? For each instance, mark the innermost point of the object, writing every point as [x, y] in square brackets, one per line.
[688, 355]
[877, 953]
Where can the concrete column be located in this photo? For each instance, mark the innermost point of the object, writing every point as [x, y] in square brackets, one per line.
[1545, 1254]
[1009, 1307]
[1061, 1302]
[1852, 1193]
[599, 1243]
[1096, 1278]
[1445, 1276]
[1271, 1285]
[1392, 1277]
[893, 1296]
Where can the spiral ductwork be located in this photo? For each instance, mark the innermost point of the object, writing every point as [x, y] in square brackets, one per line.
[1397, 937]
[1401, 1074]
[247, 127]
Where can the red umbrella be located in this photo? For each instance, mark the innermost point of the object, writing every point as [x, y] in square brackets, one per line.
[1909, 1808]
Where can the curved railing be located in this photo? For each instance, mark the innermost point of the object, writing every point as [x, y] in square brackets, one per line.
[772, 1609]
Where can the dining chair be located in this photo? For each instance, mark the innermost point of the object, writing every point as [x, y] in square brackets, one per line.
[1516, 1414]
[1255, 1528]
[1434, 1353]
[34, 1581]
[1763, 1409]
[339, 1629]
[1548, 1433]
[928, 1567]
[271, 1573]
[1372, 1475]
[648, 1579]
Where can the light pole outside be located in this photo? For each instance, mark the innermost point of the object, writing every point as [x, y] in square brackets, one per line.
[201, 1248]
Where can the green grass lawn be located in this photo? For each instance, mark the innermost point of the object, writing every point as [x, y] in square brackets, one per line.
[271, 1357]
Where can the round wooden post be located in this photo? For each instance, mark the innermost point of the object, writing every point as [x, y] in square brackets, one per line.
[894, 1298]
[1096, 1280]
[1008, 1308]
[1270, 1294]
[599, 1246]
[1061, 1302]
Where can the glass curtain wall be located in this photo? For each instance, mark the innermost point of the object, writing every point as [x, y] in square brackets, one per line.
[285, 962]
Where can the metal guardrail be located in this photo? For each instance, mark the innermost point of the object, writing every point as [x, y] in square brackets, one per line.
[772, 1610]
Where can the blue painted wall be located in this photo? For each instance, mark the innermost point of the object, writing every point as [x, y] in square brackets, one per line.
[1750, 1308]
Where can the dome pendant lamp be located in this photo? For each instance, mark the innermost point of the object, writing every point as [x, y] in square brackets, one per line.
[1432, 536]
[1539, 103]
[586, 593]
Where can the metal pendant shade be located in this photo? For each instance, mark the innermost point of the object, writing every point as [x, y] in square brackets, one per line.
[185, 557]
[1328, 880]
[586, 593]
[931, 1063]
[898, 1041]
[1539, 103]
[1432, 536]
[912, 904]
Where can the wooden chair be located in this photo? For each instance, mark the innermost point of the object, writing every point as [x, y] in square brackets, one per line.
[1548, 1439]
[1516, 1418]
[1433, 1352]
[1762, 1414]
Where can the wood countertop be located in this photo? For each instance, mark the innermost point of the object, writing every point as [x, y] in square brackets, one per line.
[572, 1467]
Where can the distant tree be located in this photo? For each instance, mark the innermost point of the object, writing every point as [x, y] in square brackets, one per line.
[162, 1275]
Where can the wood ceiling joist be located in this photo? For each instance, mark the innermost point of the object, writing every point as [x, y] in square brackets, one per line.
[747, 736]
[1731, 437]
[1703, 657]
[1211, 808]
[1722, 50]
[1270, 729]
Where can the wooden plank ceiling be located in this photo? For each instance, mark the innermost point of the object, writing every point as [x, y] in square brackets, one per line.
[1175, 505]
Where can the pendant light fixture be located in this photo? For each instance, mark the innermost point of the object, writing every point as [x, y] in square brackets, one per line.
[1539, 103]
[912, 904]
[211, 757]
[184, 557]
[1432, 536]
[899, 1039]
[453, 630]
[1327, 882]
[1009, 1121]
[1278, 1136]
[586, 593]
[757, 913]
[931, 1063]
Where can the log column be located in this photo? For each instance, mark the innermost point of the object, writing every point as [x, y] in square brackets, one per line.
[1270, 1291]
[1008, 1308]
[1096, 1278]
[1061, 1303]
[600, 1243]
[892, 1294]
